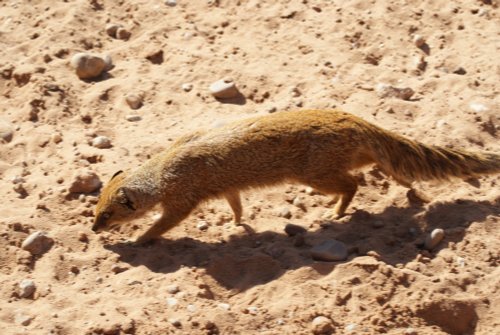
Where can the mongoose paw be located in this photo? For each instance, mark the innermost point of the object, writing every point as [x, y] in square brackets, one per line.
[332, 215]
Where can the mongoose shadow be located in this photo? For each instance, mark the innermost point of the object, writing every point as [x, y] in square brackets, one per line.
[246, 260]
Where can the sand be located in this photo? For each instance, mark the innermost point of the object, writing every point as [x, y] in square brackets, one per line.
[282, 55]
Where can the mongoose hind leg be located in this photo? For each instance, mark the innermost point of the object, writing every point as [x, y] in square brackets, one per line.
[167, 221]
[413, 194]
[342, 187]
[234, 200]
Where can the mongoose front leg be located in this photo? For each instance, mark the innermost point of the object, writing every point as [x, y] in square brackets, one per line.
[167, 221]
[234, 200]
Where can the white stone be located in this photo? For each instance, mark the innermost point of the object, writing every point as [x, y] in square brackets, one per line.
[37, 243]
[202, 225]
[173, 289]
[134, 100]
[171, 301]
[111, 29]
[224, 306]
[434, 238]
[187, 87]
[27, 288]
[101, 142]
[85, 182]
[321, 325]
[418, 40]
[191, 308]
[224, 89]
[171, 3]
[6, 131]
[478, 107]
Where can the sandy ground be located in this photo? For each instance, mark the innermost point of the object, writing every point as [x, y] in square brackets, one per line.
[282, 55]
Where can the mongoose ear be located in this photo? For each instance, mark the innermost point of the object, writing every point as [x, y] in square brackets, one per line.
[116, 174]
[126, 198]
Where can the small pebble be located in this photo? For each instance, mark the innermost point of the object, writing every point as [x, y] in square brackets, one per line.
[171, 301]
[173, 289]
[187, 87]
[191, 308]
[18, 180]
[88, 66]
[434, 238]
[37, 243]
[23, 319]
[388, 91]
[122, 34]
[118, 269]
[224, 306]
[101, 142]
[298, 202]
[134, 100]
[410, 331]
[224, 89]
[293, 229]
[174, 322]
[56, 138]
[85, 182]
[419, 41]
[252, 310]
[111, 29]
[27, 288]
[351, 327]
[310, 191]
[133, 118]
[6, 131]
[330, 251]
[202, 225]
[460, 71]
[285, 213]
[171, 3]
[321, 325]
[478, 107]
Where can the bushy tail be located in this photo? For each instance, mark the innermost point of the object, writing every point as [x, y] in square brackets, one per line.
[409, 161]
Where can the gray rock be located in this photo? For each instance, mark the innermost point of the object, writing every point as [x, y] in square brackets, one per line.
[388, 91]
[224, 89]
[88, 66]
[37, 243]
[111, 29]
[433, 239]
[173, 289]
[330, 251]
[285, 213]
[134, 100]
[27, 288]
[133, 118]
[85, 182]
[171, 3]
[23, 319]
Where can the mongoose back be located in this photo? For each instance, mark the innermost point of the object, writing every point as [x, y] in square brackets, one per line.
[312, 147]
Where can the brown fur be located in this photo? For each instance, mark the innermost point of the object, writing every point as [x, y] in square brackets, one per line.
[316, 148]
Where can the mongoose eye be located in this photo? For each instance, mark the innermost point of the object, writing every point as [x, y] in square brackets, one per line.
[106, 215]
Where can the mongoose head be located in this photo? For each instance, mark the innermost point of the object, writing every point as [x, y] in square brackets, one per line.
[116, 204]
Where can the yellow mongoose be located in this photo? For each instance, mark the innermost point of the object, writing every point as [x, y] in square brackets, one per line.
[312, 147]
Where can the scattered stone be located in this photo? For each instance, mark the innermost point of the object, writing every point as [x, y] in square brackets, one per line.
[187, 87]
[297, 201]
[173, 289]
[191, 308]
[18, 180]
[56, 138]
[434, 238]
[419, 41]
[351, 327]
[23, 319]
[37, 243]
[85, 182]
[27, 288]
[109, 62]
[460, 71]
[171, 301]
[224, 306]
[478, 107]
[101, 142]
[388, 91]
[111, 29]
[293, 229]
[420, 63]
[123, 34]
[134, 100]
[224, 89]
[88, 66]
[116, 268]
[202, 225]
[321, 325]
[330, 251]
[155, 56]
[171, 3]
[309, 190]
[410, 331]
[252, 310]
[175, 322]
[6, 131]
[133, 118]
[285, 213]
